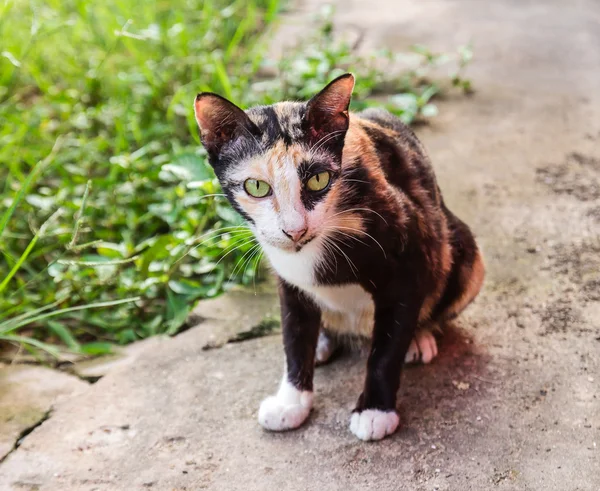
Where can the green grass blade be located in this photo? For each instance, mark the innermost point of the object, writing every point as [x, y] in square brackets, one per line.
[64, 333]
[79, 216]
[51, 350]
[28, 250]
[5, 325]
[20, 262]
[113, 262]
[97, 305]
[31, 178]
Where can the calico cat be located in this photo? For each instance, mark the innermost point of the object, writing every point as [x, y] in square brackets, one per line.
[348, 211]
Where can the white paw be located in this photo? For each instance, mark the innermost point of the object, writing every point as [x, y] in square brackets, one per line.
[423, 348]
[276, 414]
[286, 410]
[325, 348]
[373, 424]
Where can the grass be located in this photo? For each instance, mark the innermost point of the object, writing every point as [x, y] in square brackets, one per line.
[111, 221]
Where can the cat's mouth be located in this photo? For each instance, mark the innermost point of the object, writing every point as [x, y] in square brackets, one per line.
[299, 245]
[290, 246]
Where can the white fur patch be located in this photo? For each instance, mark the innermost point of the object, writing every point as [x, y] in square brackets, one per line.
[297, 268]
[342, 298]
[347, 309]
[286, 410]
[423, 348]
[373, 424]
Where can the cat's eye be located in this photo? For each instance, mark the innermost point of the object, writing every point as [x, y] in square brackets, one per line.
[256, 188]
[318, 182]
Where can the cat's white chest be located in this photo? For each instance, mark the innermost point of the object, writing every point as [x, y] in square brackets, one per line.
[297, 268]
[346, 308]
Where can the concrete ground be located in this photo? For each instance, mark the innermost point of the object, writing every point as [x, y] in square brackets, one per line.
[512, 403]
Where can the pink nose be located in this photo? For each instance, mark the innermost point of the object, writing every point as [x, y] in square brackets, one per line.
[296, 234]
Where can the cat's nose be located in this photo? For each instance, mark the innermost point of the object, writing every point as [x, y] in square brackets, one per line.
[295, 234]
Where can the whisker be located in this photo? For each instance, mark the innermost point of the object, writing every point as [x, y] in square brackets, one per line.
[324, 260]
[242, 261]
[231, 232]
[359, 209]
[328, 249]
[324, 140]
[332, 252]
[254, 254]
[235, 248]
[212, 196]
[255, 250]
[340, 240]
[192, 249]
[353, 267]
[256, 266]
[253, 137]
[345, 234]
[350, 262]
[368, 235]
[321, 139]
[230, 228]
[310, 165]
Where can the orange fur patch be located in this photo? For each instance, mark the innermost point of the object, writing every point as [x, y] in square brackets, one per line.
[472, 278]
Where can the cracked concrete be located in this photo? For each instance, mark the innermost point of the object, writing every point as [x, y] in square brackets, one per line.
[512, 403]
[27, 395]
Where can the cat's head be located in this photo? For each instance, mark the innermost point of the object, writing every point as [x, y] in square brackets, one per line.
[280, 165]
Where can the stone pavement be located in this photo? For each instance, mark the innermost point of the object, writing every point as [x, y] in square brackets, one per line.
[512, 403]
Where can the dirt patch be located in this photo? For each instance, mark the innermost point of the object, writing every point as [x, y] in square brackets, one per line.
[591, 289]
[585, 160]
[577, 176]
[594, 213]
[500, 476]
[575, 272]
[580, 264]
[561, 317]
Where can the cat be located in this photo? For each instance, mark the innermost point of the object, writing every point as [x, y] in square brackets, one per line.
[349, 214]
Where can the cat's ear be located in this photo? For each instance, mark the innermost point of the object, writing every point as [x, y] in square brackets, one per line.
[220, 121]
[328, 110]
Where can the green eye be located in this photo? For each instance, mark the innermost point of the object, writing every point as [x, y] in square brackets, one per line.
[256, 188]
[318, 182]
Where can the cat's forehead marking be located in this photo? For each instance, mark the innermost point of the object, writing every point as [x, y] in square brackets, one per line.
[289, 115]
[281, 154]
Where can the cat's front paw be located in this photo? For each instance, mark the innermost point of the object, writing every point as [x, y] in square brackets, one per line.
[373, 424]
[278, 414]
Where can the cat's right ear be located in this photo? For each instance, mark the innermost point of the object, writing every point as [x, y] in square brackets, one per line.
[327, 112]
[220, 121]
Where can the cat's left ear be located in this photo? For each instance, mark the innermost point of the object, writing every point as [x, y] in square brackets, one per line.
[328, 110]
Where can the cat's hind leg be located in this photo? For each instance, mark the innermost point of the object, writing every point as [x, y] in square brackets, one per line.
[327, 345]
[467, 274]
[463, 284]
[423, 348]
